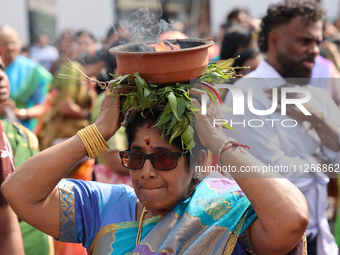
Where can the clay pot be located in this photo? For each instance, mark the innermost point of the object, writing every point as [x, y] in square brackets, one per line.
[164, 66]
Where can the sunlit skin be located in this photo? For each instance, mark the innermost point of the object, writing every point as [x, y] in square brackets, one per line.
[66, 42]
[86, 45]
[10, 43]
[153, 186]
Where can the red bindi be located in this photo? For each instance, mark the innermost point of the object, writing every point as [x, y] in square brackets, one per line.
[147, 140]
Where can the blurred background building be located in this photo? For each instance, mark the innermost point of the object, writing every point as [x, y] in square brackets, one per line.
[51, 17]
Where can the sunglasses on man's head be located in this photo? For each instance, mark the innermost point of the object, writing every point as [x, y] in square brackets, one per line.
[160, 160]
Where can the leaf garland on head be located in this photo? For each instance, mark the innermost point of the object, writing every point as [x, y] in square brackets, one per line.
[173, 99]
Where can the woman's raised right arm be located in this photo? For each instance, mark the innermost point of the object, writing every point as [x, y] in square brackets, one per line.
[31, 189]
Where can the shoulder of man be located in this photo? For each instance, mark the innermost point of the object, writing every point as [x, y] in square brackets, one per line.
[317, 90]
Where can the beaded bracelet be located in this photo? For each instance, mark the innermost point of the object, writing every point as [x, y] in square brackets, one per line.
[93, 141]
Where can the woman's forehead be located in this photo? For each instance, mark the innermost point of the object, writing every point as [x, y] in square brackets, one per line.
[151, 137]
[149, 134]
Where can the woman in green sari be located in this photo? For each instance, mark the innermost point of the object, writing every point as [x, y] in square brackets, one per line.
[170, 209]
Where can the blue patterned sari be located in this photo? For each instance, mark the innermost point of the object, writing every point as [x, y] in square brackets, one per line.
[214, 220]
[30, 82]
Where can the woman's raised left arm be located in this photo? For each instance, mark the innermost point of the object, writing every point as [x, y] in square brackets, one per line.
[281, 207]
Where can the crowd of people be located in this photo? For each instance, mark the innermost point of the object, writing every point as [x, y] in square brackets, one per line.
[163, 206]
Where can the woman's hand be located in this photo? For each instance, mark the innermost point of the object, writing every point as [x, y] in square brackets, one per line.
[274, 199]
[110, 117]
[208, 126]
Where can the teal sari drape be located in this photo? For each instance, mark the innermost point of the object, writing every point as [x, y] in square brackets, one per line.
[214, 220]
[30, 83]
[209, 222]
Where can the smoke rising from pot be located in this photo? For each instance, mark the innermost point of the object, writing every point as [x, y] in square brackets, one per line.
[145, 25]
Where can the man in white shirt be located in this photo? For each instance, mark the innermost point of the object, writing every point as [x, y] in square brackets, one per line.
[44, 53]
[298, 145]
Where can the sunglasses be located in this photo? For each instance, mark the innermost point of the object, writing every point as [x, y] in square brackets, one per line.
[160, 160]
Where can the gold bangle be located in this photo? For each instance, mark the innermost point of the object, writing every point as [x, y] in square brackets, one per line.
[93, 141]
[84, 141]
[89, 147]
[99, 135]
[90, 140]
[98, 143]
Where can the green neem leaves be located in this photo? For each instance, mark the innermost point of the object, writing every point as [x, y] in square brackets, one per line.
[227, 126]
[173, 100]
[173, 103]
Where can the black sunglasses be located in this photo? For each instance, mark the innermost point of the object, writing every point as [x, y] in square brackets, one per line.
[160, 160]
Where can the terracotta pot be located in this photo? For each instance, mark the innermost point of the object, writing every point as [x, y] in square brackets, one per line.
[164, 66]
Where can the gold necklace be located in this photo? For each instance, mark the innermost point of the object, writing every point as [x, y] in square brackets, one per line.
[140, 228]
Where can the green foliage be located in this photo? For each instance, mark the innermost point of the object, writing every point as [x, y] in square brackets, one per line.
[173, 99]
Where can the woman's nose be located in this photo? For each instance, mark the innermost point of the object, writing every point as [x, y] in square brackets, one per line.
[148, 171]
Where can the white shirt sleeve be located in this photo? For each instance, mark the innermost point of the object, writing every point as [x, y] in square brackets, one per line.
[268, 143]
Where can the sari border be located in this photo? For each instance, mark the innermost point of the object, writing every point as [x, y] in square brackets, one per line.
[67, 211]
[154, 251]
[235, 235]
[118, 226]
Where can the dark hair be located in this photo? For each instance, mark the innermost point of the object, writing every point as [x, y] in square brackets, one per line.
[234, 37]
[88, 59]
[84, 32]
[234, 13]
[111, 31]
[283, 12]
[60, 37]
[245, 54]
[150, 119]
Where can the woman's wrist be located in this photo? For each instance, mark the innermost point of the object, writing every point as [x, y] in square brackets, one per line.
[216, 141]
[106, 131]
[21, 113]
[317, 120]
[93, 141]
